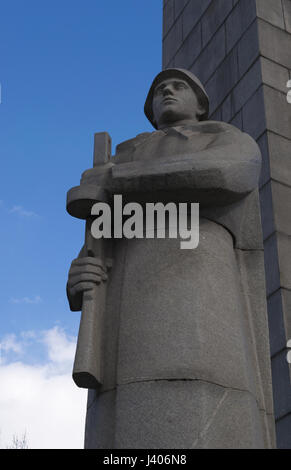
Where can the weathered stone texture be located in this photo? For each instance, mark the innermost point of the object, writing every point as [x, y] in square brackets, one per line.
[241, 50]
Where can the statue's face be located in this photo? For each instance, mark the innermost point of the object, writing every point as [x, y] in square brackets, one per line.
[174, 100]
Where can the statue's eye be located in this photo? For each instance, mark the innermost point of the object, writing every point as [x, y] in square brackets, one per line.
[180, 86]
[158, 91]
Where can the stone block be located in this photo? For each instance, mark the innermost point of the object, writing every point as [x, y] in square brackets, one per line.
[282, 208]
[168, 17]
[283, 428]
[280, 158]
[274, 43]
[276, 323]
[286, 300]
[271, 264]
[100, 422]
[185, 415]
[281, 384]
[216, 116]
[271, 11]
[227, 109]
[172, 42]
[284, 253]
[190, 49]
[264, 147]
[179, 6]
[278, 111]
[237, 121]
[192, 14]
[214, 17]
[248, 48]
[267, 216]
[223, 80]
[253, 112]
[239, 21]
[274, 75]
[211, 56]
[287, 14]
[247, 86]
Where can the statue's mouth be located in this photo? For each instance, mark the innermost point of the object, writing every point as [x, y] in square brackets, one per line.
[169, 100]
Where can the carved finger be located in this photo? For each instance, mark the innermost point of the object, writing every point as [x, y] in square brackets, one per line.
[82, 287]
[88, 260]
[88, 268]
[84, 278]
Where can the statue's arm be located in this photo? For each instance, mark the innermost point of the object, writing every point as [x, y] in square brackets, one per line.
[228, 170]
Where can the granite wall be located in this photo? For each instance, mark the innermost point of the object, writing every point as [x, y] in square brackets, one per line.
[241, 51]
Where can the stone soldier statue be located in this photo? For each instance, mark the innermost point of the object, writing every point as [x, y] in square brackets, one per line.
[185, 348]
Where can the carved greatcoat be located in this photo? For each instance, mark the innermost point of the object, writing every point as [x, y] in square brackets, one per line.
[186, 350]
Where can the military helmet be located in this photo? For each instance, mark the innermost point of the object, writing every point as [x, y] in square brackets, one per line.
[183, 74]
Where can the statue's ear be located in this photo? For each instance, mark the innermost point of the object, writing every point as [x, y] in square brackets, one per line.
[200, 111]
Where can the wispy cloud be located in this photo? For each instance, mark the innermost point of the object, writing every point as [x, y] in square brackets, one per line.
[26, 300]
[9, 343]
[19, 211]
[26, 387]
[22, 212]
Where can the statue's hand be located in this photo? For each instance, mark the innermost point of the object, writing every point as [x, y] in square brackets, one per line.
[84, 274]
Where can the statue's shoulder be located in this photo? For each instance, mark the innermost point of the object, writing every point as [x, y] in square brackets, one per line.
[225, 133]
[218, 127]
[131, 143]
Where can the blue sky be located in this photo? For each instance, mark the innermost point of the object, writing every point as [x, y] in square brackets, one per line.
[68, 69]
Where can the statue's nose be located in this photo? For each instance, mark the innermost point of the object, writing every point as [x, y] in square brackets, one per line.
[168, 90]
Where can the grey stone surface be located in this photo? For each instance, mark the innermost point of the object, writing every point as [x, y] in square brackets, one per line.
[274, 43]
[214, 18]
[211, 56]
[276, 323]
[263, 143]
[274, 74]
[271, 11]
[186, 54]
[286, 298]
[280, 161]
[281, 384]
[271, 264]
[284, 431]
[253, 115]
[188, 414]
[247, 86]
[287, 14]
[239, 21]
[100, 422]
[282, 212]
[179, 6]
[284, 247]
[278, 112]
[168, 16]
[248, 48]
[267, 216]
[192, 14]
[173, 41]
[237, 121]
[223, 80]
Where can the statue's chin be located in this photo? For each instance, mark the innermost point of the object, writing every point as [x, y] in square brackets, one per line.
[169, 117]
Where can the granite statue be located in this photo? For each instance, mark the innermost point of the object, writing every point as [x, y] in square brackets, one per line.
[182, 345]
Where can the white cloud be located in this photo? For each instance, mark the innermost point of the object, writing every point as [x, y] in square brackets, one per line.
[22, 212]
[27, 300]
[41, 399]
[10, 343]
